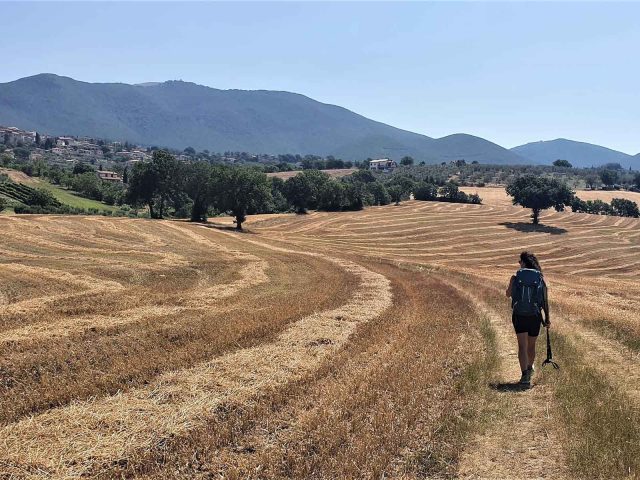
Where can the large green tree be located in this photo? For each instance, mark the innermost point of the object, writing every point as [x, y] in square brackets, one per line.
[240, 191]
[157, 184]
[169, 177]
[142, 186]
[302, 191]
[609, 177]
[87, 185]
[407, 161]
[378, 193]
[331, 196]
[591, 181]
[539, 193]
[197, 185]
[562, 163]
[278, 193]
[400, 187]
[425, 191]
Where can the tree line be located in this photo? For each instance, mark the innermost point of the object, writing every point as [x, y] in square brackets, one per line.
[606, 177]
[198, 189]
[540, 193]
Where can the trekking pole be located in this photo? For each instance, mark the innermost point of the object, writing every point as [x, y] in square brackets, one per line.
[549, 359]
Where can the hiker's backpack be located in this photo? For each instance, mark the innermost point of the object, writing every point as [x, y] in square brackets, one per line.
[527, 295]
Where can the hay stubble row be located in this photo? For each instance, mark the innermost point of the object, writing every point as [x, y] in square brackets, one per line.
[276, 351]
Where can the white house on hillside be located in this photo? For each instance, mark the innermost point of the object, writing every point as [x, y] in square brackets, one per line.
[382, 164]
[107, 176]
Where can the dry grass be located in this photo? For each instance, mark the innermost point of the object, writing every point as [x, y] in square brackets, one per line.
[336, 173]
[327, 345]
[106, 340]
[602, 424]
[360, 414]
[498, 196]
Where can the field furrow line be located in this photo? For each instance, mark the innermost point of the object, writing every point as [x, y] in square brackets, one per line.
[88, 437]
[614, 361]
[252, 272]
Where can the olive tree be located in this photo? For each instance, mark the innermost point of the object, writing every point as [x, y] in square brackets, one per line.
[157, 184]
[240, 191]
[562, 163]
[538, 193]
[303, 190]
[625, 208]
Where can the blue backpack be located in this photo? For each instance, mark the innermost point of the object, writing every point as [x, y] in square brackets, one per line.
[528, 293]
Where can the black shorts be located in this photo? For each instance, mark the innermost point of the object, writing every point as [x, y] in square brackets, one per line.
[527, 324]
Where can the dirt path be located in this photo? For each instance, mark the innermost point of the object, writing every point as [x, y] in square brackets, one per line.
[617, 363]
[524, 442]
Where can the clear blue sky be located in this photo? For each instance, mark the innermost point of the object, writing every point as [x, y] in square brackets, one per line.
[509, 72]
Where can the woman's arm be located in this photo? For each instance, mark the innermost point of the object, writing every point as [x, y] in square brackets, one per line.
[547, 319]
[510, 287]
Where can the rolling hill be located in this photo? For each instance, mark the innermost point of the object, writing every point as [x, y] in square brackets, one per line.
[580, 154]
[179, 114]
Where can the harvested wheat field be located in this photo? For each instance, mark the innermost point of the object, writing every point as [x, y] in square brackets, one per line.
[498, 196]
[330, 345]
[335, 173]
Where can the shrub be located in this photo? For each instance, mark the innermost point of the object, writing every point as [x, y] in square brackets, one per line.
[624, 208]
[450, 192]
[598, 207]
[475, 199]
[425, 191]
[578, 205]
[41, 198]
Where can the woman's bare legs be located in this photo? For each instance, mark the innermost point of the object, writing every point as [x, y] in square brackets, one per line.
[531, 351]
[523, 350]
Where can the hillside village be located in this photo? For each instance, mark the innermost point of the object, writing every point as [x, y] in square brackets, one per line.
[69, 149]
[116, 155]
[108, 155]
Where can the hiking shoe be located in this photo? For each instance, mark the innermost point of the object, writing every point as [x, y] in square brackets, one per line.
[531, 371]
[525, 380]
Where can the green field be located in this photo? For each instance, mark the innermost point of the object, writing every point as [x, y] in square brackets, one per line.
[69, 198]
[63, 195]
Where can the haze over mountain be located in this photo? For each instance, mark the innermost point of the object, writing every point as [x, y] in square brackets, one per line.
[580, 154]
[179, 114]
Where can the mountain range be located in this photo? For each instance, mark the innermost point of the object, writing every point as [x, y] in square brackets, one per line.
[580, 154]
[178, 114]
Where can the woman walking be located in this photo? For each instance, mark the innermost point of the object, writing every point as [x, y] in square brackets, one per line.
[528, 292]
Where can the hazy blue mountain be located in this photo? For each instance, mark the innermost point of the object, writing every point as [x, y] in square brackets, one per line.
[580, 154]
[180, 114]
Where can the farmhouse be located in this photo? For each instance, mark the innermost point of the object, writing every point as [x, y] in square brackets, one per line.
[65, 141]
[383, 164]
[107, 176]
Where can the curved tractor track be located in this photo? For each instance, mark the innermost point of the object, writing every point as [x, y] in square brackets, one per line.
[358, 344]
[591, 264]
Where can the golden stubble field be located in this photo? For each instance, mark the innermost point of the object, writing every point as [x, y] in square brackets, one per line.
[328, 345]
